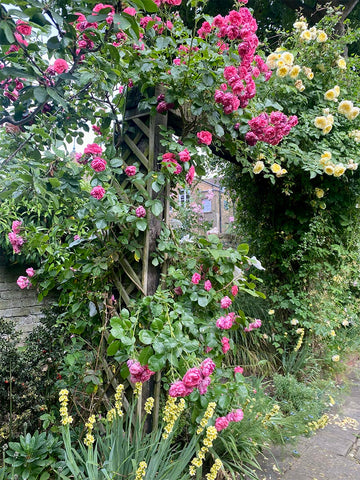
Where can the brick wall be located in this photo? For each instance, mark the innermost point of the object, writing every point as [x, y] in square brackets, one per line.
[18, 305]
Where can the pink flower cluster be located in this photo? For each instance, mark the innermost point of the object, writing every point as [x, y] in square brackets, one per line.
[138, 372]
[15, 239]
[98, 192]
[23, 27]
[194, 378]
[140, 212]
[225, 302]
[158, 26]
[270, 128]
[223, 422]
[238, 25]
[171, 162]
[253, 325]
[204, 137]
[59, 66]
[130, 171]
[12, 88]
[225, 344]
[225, 323]
[168, 2]
[24, 282]
[162, 105]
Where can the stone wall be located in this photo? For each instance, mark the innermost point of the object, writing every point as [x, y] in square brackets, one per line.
[18, 305]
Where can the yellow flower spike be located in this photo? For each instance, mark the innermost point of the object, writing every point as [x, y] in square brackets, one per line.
[207, 415]
[214, 470]
[149, 405]
[138, 389]
[140, 472]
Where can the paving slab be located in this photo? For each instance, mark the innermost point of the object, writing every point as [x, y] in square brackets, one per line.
[332, 453]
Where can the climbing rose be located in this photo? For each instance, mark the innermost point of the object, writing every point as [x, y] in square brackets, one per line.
[130, 170]
[23, 282]
[60, 65]
[30, 272]
[16, 224]
[98, 192]
[225, 323]
[192, 377]
[23, 27]
[235, 415]
[138, 372]
[204, 137]
[238, 369]
[234, 290]
[207, 367]
[184, 155]
[207, 285]
[179, 389]
[98, 164]
[190, 175]
[195, 279]
[225, 344]
[221, 423]
[130, 11]
[93, 149]
[140, 212]
[203, 385]
[225, 302]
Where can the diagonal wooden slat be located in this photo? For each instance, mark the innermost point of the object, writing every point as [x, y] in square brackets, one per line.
[131, 274]
[142, 126]
[137, 151]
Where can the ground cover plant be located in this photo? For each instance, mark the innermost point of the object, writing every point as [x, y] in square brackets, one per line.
[143, 307]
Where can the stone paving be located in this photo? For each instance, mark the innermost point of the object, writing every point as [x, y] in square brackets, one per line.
[333, 453]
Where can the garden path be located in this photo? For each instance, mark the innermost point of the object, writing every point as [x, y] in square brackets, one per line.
[333, 453]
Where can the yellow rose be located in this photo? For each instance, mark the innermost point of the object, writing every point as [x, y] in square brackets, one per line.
[294, 72]
[341, 63]
[337, 90]
[320, 122]
[275, 168]
[313, 33]
[282, 71]
[327, 129]
[321, 36]
[310, 75]
[329, 170]
[335, 358]
[330, 95]
[326, 155]
[288, 58]
[305, 35]
[319, 192]
[353, 113]
[339, 170]
[345, 107]
[330, 119]
[300, 25]
[299, 85]
[258, 167]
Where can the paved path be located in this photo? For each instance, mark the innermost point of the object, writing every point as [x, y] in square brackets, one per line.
[333, 453]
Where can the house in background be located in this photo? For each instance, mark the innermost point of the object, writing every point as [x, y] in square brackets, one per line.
[212, 202]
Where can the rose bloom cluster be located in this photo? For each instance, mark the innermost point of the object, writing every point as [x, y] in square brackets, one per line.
[12, 88]
[331, 168]
[253, 326]
[270, 128]
[15, 239]
[240, 86]
[225, 323]
[22, 29]
[223, 422]
[24, 282]
[138, 372]
[194, 378]
[283, 63]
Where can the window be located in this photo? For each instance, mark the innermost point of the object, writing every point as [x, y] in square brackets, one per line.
[206, 206]
[184, 196]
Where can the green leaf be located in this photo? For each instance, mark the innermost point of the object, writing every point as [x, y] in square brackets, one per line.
[243, 248]
[113, 348]
[8, 32]
[157, 208]
[141, 224]
[203, 301]
[145, 354]
[156, 362]
[146, 337]
[53, 43]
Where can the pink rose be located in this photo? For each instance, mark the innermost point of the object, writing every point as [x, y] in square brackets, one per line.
[98, 192]
[238, 369]
[190, 175]
[130, 11]
[204, 137]
[225, 323]
[178, 291]
[192, 377]
[221, 423]
[60, 65]
[98, 164]
[30, 272]
[140, 212]
[225, 302]
[234, 290]
[207, 367]
[130, 170]
[195, 279]
[207, 285]
[93, 149]
[23, 27]
[203, 385]
[225, 344]
[236, 415]
[179, 389]
[184, 155]
[20, 39]
[16, 226]
[23, 282]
